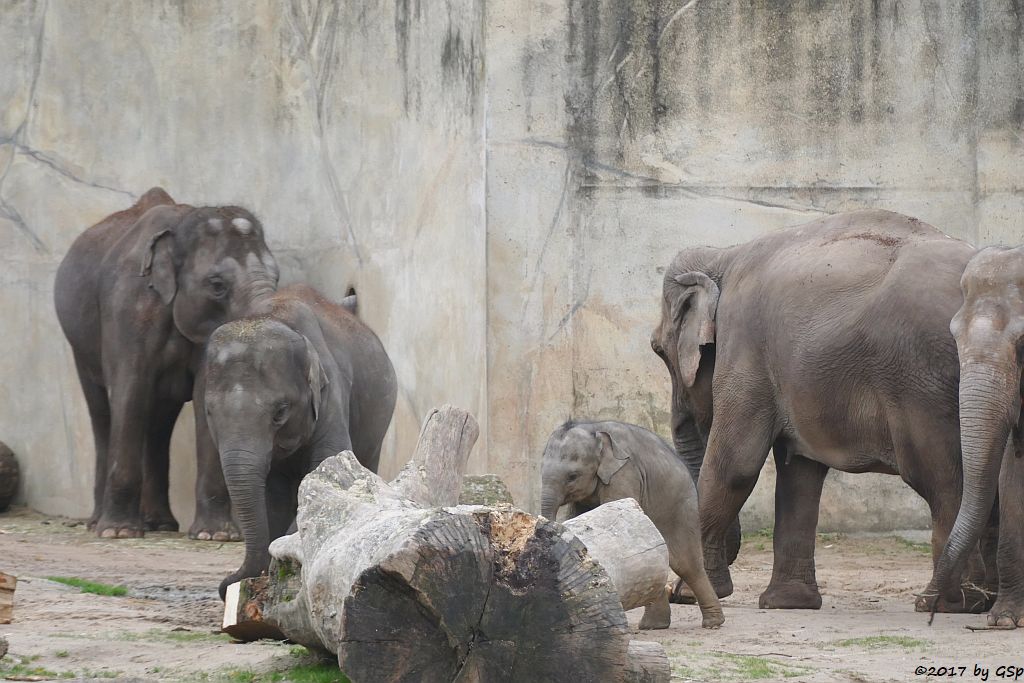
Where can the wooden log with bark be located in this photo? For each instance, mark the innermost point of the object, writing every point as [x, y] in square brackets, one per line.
[7, 585]
[401, 588]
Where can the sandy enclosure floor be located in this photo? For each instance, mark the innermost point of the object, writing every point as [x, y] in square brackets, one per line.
[164, 629]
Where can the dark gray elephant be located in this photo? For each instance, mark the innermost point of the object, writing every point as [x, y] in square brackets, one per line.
[137, 295]
[989, 333]
[284, 390]
[830, 343]
[587, 464]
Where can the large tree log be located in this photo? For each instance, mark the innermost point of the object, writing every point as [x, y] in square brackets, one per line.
[402, 592]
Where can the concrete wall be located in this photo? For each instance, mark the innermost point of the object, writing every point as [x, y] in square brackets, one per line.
[620, 131]
[502, 184]
[353, 130]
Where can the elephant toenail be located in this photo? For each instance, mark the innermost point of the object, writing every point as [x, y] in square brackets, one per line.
[220, 536]
[203, 535]
[108, 533]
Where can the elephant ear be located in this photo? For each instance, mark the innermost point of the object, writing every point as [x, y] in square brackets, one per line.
[316, 376]
[158, 265]
[693, 298]
[612, 460]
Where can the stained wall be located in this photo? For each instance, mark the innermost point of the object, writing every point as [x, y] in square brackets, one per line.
[502, 181]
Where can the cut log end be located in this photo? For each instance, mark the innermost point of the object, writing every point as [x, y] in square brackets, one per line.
[243, 611]
[486, 596]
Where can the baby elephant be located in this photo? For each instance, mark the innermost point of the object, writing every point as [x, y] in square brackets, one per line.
[590, 463]
[281, 392]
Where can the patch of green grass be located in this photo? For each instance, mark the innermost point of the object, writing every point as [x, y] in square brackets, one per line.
[924, 548]
[13, 666]
[830, 537]
[90, 586]
[879, 642]
[725, 666]
[310, 673]
[61, 654]
[151, 635]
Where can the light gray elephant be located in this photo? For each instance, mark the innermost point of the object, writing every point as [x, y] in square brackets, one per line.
[989, 333]
[827, 343]
[587, 464]
[284, 390]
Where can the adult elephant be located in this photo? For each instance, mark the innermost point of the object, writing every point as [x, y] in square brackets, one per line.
[829, 343]
[137, 295]
[989, 333]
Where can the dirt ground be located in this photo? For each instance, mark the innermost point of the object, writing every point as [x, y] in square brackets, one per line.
[164, 629]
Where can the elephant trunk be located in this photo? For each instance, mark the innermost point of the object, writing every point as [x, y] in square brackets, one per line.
[551, 500]
[245, 471]
[988, 396]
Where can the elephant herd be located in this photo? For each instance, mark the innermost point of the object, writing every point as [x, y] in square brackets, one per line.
[865, 342]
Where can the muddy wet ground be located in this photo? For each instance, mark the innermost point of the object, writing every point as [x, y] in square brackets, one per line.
[164, 628]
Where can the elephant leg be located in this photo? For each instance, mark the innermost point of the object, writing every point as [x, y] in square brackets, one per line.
[686, 560]
[1008, 610]
[737, 448]
[99, 414]
[156, 504]
[213, 520]
[658, 614]
[131, 401]
[797, 496]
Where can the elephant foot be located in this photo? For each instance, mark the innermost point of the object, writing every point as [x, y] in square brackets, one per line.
[163, 521]
[971, 600]
[657, 615]
[211, 529]
[109, 527]
[1007, 613]
[790, 595]
[713, 619]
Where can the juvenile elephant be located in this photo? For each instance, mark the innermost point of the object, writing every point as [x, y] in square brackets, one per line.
[591, 463]
[137, 295]
[989, 333]
[829, 342]
[284, 390]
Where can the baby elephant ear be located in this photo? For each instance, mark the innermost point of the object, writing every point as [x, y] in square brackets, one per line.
[612, 459]
[316, 376]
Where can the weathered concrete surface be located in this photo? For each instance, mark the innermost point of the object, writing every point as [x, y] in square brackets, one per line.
[353, 130]
[502, 188]
[620, 132]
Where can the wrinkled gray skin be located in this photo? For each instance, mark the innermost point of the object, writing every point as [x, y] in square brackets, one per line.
[284, 390]
[587, 464]
[828, 343]
[137, 295]
[989, 333]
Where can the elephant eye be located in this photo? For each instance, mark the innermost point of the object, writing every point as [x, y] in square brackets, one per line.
[281, 414]
[218, 288]
[572, 476]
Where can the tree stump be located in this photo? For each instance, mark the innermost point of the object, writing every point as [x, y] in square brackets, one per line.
[9, 476]
[399, 591]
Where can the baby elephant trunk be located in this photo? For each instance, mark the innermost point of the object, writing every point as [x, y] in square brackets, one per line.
[245, 472]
